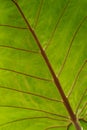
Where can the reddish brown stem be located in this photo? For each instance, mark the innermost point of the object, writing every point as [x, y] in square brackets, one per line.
[56, 80]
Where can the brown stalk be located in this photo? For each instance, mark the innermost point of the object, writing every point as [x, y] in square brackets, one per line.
[56, 80]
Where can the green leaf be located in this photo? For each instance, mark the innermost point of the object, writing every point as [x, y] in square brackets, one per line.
[29, 98]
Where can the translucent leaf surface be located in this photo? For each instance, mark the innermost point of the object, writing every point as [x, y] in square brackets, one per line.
[29, 99]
